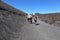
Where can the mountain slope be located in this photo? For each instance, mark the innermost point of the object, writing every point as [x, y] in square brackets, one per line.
[52, 18]
[11, 22]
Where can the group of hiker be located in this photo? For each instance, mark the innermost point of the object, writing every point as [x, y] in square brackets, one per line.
[32, 18]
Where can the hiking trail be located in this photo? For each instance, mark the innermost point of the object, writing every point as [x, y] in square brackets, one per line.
[43, 31]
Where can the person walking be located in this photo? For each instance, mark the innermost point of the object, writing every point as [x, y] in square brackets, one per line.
[29, 18]
[35, 18]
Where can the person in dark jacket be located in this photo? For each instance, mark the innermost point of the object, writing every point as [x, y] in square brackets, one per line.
[29, 18]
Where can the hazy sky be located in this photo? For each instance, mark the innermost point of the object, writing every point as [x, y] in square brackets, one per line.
[35, 6]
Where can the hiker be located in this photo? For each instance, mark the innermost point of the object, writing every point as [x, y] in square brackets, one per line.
[29, 18]
[35, 18]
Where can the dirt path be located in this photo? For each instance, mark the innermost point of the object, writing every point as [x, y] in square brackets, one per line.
[43, 31]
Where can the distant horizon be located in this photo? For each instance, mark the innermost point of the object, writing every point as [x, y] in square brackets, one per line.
[36, 6]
